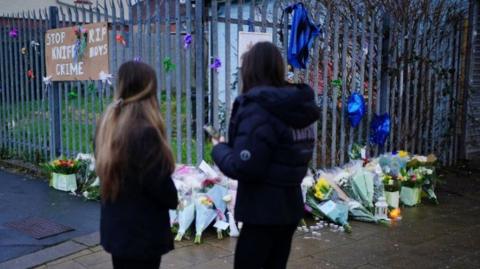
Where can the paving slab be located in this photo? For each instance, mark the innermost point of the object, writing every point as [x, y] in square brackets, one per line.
[43, 256]
[90, 240]
[93, 259]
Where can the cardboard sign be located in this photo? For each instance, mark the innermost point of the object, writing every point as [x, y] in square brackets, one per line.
[246, 40]
[60, 51]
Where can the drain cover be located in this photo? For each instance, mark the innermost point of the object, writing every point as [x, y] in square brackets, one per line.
[38, 228]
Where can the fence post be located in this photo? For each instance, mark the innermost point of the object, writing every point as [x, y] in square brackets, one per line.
[468, 79]
[199, 77]
[385, 54]
[54, 98]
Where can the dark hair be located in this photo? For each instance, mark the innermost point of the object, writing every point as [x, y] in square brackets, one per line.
[135, 109]
[262, 65]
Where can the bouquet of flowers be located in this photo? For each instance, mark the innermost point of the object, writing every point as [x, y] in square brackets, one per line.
[185, 215]
[187, 180]
[393, 163]
[89, 183]
[62, 166]
[359, 188]
[63, 174]
[205, 214]
[218, 194]
[230, 200]
[391, 183]
[413, 178]
[323, 202]
[424, 172]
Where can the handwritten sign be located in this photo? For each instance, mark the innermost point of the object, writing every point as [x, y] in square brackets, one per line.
[60, 50]
[246, 40]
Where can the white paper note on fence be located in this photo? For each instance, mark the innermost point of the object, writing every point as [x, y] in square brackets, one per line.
[247, 39]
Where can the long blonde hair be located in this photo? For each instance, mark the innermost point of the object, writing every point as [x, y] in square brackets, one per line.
[135, 108]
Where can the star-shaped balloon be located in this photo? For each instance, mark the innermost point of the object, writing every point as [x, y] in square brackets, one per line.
[380, 129]
[356, 108]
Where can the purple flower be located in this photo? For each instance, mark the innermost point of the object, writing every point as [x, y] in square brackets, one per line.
[137, 59]
[13, 32]
[308, 208]
[216, 64]
[187, 40]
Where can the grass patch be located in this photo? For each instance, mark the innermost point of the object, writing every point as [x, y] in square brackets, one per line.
[26, 133]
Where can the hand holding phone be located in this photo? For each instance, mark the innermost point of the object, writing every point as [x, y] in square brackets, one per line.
[212, 132]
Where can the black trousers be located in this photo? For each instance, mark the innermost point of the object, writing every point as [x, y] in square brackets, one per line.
[122, 263]
[264, 246]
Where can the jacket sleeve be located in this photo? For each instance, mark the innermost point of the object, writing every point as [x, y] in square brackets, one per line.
[250, 154]
[155, 182]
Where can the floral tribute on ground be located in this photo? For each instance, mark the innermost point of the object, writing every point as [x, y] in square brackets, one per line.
[365, 189]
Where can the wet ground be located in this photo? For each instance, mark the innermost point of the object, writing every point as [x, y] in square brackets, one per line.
[22, 197]
[428, 236]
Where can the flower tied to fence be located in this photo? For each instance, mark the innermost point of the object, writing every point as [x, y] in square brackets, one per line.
[30, 74]
[47, 80]
[13, 32]
[216, 64]
[120, 39]
[34, 44]
[105, 77]
[168, 65]
[336, 83]
[80, 43]
[187, 41]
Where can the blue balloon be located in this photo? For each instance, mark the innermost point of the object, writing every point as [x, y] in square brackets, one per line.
[355, 109]
[380, 129]
[302, 34]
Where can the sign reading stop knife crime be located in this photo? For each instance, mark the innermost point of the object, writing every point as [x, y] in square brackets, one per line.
[62, 53]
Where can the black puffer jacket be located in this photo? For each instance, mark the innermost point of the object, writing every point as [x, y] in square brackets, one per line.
[271, 140]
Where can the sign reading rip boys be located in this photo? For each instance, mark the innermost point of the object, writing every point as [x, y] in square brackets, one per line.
[77, 53]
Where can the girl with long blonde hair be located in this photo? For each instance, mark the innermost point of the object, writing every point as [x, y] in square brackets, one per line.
[135, 163]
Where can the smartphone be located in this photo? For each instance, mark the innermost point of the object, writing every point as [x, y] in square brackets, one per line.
[212, 131]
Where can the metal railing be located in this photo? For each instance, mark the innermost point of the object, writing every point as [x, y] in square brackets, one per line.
[413, 73]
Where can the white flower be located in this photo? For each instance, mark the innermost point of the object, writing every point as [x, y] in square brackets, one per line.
[378, 169]
[227, 198]
[386, 169]
[105, 77]
[429, 171]
[308, 181]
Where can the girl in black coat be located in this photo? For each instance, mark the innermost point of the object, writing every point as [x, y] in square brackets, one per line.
[134, 163]
[271, 140]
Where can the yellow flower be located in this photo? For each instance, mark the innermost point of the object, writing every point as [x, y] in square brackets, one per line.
[205, 201]
[322, 183]
[402, 154]
[318, 195]
[321, 188]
